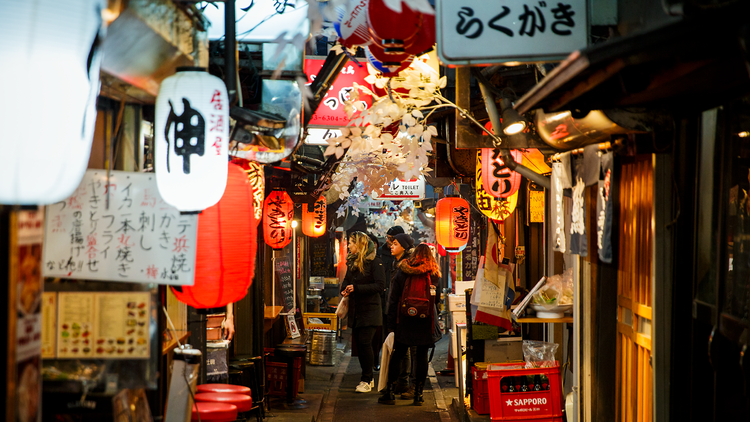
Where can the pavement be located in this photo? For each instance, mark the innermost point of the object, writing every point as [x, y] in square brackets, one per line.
[329, 395]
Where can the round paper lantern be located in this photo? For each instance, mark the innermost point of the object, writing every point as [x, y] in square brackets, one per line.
[257, 180]
[225, 247]
[494, 208]
[424, 42]
[390, 29]
[452, 220]
[388, 70]
[192, 134]
[50, 77]
[352, 26]
[278, 213]
[498, 180]
[314, 218]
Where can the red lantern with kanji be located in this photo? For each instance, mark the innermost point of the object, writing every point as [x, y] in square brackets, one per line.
[424, 41]
[392, 30]
[452, 218]
[497, 179]
[314, 218]
[278, 213]
[225, 247]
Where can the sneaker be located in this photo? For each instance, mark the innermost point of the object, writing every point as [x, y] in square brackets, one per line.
[363, 387]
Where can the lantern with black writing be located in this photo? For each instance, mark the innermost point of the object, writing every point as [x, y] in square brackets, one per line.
[314, 218]
[452, 218]
[497, 179]
[257, 181]
[278, 213]
[225, 247]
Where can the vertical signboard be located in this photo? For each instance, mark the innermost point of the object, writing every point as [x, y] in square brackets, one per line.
[283, 268]
[331, 111]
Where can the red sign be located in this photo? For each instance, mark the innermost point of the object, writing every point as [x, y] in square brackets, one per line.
[331, 112]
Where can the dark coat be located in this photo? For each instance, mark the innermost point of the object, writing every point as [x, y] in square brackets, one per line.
[365, 306]
[409, 331]
[393, 271]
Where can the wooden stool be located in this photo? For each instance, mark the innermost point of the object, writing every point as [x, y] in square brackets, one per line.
[244, 403]
[223, 388]
[214, 412]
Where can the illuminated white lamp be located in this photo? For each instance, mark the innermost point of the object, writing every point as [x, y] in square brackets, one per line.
[50, 77]
[191, 136]
[512, 121]
[294, 224]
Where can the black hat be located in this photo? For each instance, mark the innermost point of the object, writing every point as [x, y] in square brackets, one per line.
[405, 241]
[393, 231]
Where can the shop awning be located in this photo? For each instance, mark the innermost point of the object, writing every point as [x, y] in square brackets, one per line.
[695, 63]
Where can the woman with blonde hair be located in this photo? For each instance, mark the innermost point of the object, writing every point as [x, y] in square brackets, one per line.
[417, 278]
[364, 284]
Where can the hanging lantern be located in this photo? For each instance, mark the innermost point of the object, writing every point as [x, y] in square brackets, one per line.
[452, 218]
[351, 26]
[314, 218]
[498, 180]
[48, 60]
[392, 30]
[494, 208]
[424, 42]
[278, 213]
[388, 70]
[192, 134]
[226, 245]
[257, 180]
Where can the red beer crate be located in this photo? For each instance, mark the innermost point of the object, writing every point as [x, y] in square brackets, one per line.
[480, 394]
[538, 406]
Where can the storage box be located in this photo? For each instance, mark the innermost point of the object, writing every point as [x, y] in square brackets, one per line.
[276, 377]
[461, 286]
[481, 393]
[538, 406]
[503, 349]
[457, 303]
[458, 318]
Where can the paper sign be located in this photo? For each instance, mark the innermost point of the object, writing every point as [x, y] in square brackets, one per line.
[136, 238]
[400, 190]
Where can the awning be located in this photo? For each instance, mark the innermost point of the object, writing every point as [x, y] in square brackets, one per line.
[695, 63]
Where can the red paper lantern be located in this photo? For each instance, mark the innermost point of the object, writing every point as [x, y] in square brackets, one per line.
[352, 27]
[314, 218]
[424, 42]
[257, 181]
[390, 29]
[278, 213]
[497, 179]
[452, 218]
[400, 60]
[225, 248]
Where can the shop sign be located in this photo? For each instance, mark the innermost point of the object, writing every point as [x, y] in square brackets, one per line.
[536, 206]
[401, 190]
[331, 112]
[503, 31]
[320, 136]
[121, 231]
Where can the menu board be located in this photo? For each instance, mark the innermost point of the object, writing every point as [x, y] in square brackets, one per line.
[319, 265]
[49, 323]
[283, 270]
[119, 230]
[103, 325]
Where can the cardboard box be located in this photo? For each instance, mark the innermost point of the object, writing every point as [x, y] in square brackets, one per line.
[504, 349]
[461, 286]
[458, 318]
[457, 303]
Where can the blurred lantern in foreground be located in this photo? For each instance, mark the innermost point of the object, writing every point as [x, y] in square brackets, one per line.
[314, 218]
[351, 26]
[498, 180]
[192, 134]
[50, 76]
[278, 213]
[452, 223]
[389, 70]
[226, 245]
[392, 30]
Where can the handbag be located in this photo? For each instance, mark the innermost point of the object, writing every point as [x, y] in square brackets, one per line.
[343, 308]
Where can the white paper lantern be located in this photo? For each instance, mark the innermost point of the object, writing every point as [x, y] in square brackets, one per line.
[49, 68]
[191, 135]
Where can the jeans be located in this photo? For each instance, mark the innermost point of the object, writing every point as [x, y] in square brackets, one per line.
[363, 337]
[407, 366]
[420, 365]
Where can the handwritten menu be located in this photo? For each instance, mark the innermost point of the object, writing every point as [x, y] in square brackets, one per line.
[283, 270]
[103, 325]
[49, 323]
[318, 254]
[119, 231]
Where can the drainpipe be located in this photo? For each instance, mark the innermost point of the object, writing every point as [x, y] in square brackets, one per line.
[230, 51]
[489, 103]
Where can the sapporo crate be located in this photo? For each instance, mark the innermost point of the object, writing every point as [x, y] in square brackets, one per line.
[537, 406]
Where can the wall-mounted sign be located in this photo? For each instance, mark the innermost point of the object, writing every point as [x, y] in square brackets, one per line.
[320, 136]
[121, 231]
[400, 190]
[331, 110]
[501, 31]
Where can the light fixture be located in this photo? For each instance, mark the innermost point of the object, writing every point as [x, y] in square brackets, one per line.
[512, 121]
[294, 224]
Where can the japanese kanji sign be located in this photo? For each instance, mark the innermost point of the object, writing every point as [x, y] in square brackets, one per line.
[137, 238]
[500, 31]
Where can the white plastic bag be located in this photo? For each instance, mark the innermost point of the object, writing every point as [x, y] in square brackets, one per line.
[385, 360]
[343, 309]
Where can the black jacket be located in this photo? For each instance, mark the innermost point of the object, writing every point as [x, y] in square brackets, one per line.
[365, 306]
[409, 331]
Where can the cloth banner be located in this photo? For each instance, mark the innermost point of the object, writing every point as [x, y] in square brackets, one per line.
[578, 241]
[604, 209]
[557, 209]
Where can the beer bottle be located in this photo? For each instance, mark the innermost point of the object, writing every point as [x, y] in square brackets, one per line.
[504, 384]
[511, 384]
[545, 382]
[537, 382]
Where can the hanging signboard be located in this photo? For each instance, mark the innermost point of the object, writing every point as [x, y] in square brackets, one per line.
[401, 190]
[320, 136]
[331, 110]
[137, 238]
[503, 31]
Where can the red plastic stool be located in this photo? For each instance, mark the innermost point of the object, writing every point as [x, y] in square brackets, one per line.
[214, 412]
[223, 388]
[244, 403]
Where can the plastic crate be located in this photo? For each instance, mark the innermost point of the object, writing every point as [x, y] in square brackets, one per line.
[480, 393]
[538, 406]
[276, 377]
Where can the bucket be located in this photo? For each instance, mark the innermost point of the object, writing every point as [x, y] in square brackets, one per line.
[323, 348]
